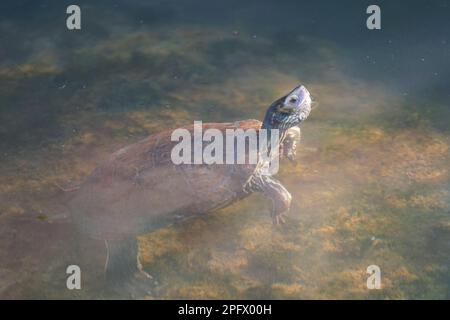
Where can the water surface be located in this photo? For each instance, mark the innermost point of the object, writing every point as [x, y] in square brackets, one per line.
[371, 186]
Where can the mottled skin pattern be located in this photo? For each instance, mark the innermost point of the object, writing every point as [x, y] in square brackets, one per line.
[139, 189]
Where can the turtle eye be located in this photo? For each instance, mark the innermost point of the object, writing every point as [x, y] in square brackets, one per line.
[293, 99]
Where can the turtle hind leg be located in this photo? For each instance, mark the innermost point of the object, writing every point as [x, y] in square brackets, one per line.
[274, 190]
[123, 271]
[120, 259]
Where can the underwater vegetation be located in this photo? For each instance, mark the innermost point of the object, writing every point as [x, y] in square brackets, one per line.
[372, 183]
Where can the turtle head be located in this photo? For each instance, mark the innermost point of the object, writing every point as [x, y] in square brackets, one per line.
[288, 111]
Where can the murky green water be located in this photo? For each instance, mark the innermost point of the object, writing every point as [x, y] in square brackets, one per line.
[371, 186]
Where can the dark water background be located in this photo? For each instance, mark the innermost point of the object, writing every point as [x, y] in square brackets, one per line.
[372, 186]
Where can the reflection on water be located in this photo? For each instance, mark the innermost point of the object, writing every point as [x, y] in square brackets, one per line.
[371, 186]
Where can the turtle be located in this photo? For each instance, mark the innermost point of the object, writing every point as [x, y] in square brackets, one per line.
[139, 189]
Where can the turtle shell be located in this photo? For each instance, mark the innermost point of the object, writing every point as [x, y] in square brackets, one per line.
[139, 188]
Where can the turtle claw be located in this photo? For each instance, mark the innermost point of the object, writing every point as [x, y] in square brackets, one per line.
[138, 286]
[143, 275]
[279, 219]
[140, 270]
[292, 158]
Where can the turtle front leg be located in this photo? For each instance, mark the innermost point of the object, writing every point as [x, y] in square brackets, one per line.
[289, 146]
[275, 191]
